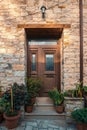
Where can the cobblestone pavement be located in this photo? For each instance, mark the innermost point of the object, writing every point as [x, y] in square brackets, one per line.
[42, 125]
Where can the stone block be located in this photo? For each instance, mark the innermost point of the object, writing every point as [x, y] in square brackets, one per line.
[19, 73]
[18, 67]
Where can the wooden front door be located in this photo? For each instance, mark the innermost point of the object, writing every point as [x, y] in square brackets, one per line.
[44, 62]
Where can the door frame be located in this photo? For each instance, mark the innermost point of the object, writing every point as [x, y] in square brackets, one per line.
[47, 26]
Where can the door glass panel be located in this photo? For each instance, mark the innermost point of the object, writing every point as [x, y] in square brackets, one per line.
[49, 62]
[42, 42]
[33, 62]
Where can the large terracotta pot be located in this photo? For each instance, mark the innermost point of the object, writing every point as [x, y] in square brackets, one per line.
[59, 109]
[28, 108]
[80, 126]
[1, 118]
[11, 122]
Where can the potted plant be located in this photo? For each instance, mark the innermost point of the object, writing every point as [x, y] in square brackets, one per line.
[33, 87]
[77, 92]
[73, 99]
[14, 98]
[18, 95]
[58, 100]
[28, 104]
[80, 116]
[11, 115]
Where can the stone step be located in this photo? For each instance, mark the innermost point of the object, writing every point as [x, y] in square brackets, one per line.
[43, 106]
[43, 100]
[43, 103]
[44, 114]
[44, 109]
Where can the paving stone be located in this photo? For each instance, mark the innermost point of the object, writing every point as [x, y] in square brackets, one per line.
[43, 124]
[31, 124]
[3, 128]
[28, 128]
[56, 129]
[71, 129]
[42, 129]
[62, 128]
[53, 126]
[35, 128]
[22, 124]
[20, 128]
[50, 129]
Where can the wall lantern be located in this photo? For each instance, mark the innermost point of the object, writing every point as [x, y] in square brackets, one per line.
[43, 8]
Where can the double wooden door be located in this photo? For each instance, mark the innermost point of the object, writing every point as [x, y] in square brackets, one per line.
[44, 62]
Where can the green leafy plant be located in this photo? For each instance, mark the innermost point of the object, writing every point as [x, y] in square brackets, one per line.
[85, 89]
[28, 100]
[80, 115]
[33, 86]
[3, 104]
[77, 92]
[69, 93]
[14, 98]
[56, 96]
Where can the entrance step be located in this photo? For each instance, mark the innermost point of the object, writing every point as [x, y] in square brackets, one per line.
[43, 103]
[44, 109]
[45, 114]
[43, 100]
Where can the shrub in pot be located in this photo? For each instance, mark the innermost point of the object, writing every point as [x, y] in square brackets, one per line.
[11, 118]
[14, 101]
[28, 104]
[33, 87]
[11, 115]
[19, 91]
[58, 99]
[80, 116]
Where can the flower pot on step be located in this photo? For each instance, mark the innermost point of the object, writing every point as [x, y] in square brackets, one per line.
[28, 108]
[59, 109]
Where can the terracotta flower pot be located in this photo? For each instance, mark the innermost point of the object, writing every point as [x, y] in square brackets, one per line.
[1, 118]
[28, 109]
[80, 126]
[59, 109]
[12, 121]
